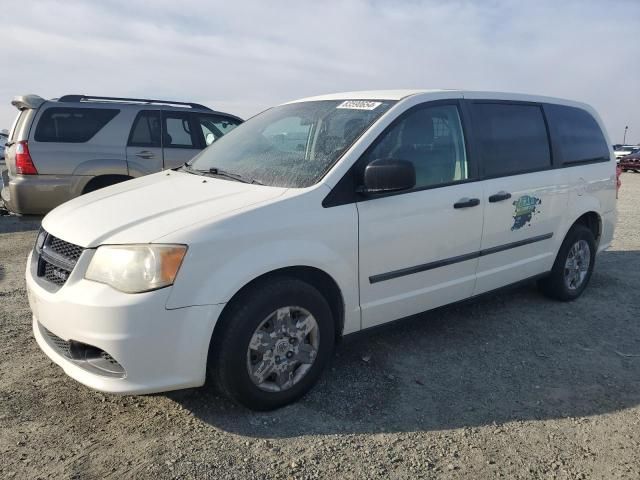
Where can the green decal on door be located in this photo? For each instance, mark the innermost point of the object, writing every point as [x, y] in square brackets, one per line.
[525, 208]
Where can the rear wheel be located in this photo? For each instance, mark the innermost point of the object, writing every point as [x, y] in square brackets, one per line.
[273, 344]
[573, 266]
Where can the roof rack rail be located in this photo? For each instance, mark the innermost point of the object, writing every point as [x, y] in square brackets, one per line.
[88, 98]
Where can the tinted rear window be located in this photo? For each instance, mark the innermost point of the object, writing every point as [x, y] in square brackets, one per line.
[513, 138]
[146, 129]
[72, 125]
[577, 134]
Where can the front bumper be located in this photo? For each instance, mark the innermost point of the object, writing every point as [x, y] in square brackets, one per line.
[158, 349]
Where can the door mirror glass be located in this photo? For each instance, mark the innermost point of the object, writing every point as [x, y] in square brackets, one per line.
[388, 175]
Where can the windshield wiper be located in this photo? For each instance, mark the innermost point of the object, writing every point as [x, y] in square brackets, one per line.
[216, 172]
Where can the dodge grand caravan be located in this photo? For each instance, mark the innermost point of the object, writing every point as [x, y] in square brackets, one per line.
[316, 219]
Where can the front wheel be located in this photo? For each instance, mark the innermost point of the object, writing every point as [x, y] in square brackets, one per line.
[573, 266]
[273, 344]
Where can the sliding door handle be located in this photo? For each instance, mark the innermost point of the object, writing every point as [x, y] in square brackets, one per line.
[466, 203]
[499, 197]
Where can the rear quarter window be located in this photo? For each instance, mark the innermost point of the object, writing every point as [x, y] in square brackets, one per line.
[18, 124]
[72, 125]
[513, 138]
[577, 135]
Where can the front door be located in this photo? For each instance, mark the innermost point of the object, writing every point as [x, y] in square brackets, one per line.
[524, 196]
[144, 148]
[181, 140]
[419, 249]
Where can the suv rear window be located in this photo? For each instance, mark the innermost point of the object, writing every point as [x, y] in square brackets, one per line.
[577, 134]
[72, 125]
[513, 138]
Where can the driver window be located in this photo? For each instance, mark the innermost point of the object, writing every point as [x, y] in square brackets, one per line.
[214, 127]
[431, 138]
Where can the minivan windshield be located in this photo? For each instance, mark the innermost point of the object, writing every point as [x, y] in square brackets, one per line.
[292, 145]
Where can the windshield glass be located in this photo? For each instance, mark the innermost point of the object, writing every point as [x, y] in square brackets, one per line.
[291, 145]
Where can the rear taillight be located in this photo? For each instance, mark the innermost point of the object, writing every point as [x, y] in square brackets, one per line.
[618, 181]
[24, 163]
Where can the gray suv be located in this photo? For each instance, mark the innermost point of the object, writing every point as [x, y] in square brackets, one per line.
[61, 148]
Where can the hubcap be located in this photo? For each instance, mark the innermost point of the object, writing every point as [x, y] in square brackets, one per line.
[283, 349]
[577, 265]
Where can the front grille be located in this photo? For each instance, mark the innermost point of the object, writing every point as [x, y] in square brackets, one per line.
[56, 258]
[66, 249]
[57, 276]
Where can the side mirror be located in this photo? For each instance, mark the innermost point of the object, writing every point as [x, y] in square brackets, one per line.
[209, 139]
[388, 175]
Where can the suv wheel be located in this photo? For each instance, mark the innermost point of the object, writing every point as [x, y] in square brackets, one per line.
[273, 344]
[573, 266]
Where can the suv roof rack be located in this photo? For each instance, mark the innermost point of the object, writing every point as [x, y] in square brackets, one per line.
[88, 98]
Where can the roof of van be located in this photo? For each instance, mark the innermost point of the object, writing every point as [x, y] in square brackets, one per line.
[400, 94]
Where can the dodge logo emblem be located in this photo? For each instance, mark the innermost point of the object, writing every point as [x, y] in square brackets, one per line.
[61, 274]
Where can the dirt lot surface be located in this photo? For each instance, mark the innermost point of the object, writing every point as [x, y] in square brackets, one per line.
[513, 386]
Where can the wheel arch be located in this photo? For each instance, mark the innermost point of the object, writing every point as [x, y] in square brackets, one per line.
[316, 277]
[593, 221]
[103, 181]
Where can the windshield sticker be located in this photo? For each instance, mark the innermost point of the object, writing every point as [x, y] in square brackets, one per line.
[525, 208]
[359, 105]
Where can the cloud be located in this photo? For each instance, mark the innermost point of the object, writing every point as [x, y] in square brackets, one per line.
[245, 56]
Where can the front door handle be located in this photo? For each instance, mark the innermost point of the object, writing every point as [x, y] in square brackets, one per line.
[499, 197]
[146, 154]
[466, 203]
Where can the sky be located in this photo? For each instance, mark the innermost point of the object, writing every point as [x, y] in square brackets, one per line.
[245, 56]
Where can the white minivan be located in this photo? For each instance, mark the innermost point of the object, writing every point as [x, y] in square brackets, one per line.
[313, 220]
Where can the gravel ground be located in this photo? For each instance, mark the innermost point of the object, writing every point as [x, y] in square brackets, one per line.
[512, 385]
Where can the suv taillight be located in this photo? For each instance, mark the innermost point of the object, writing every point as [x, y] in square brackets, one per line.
[24, 164]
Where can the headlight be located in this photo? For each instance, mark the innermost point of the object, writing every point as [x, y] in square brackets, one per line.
[136, 268]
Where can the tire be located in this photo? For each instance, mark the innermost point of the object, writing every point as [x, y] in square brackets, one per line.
[230, 357]
[556, 285]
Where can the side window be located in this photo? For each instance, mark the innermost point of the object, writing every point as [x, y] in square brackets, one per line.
[577, 133]
[146, 130]
[214, 126]
[72, 125]
[177, 131]
[432, 139]
[513, 138]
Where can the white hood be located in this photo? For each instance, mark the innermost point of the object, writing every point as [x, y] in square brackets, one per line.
[142, 210]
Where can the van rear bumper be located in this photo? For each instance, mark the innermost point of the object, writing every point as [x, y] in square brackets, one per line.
[37, 194]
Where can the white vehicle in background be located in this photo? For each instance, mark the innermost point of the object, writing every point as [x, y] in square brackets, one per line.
[313, 220]
[624, 150]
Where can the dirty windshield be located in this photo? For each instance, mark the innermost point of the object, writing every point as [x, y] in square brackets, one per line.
[291, 145]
